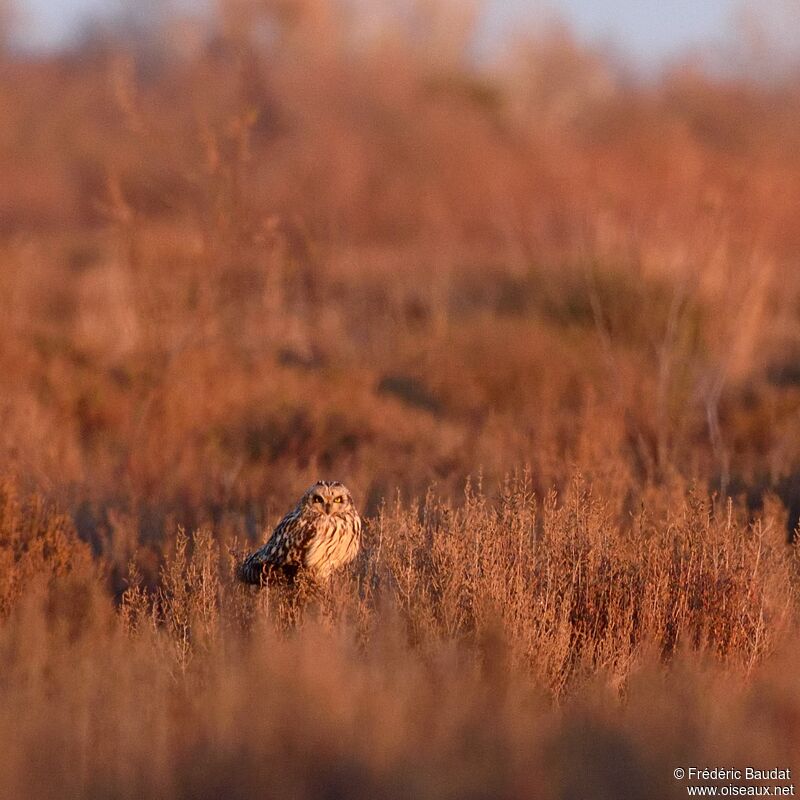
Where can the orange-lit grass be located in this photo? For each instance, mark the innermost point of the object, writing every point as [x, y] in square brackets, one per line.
[435, 667]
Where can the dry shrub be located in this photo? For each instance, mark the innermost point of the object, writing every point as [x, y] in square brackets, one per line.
[37, 547]
[575, 591]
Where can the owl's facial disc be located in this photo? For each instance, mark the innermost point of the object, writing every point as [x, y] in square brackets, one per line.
[328, 499]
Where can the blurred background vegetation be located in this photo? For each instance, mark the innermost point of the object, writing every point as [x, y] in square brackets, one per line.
[293, 243]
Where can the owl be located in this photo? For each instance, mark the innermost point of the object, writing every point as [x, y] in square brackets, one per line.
[321, 534]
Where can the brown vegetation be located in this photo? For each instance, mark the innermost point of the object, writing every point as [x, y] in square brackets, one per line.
[300, 247]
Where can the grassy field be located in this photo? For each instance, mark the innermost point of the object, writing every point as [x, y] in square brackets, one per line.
[540, 315]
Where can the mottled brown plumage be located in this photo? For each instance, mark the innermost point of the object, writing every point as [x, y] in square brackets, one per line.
[321, 534]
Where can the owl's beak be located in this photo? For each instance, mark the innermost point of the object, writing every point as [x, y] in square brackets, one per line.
[327, 508]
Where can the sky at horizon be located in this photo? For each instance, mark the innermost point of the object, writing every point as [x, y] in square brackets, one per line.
[649, 31]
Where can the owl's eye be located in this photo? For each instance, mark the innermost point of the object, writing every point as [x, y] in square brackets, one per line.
[337, 500]
[316, 499]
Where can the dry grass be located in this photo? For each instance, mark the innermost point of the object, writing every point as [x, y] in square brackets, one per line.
[478, 650]
[237, 261]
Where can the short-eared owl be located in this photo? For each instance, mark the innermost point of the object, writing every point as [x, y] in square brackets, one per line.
[321, 534]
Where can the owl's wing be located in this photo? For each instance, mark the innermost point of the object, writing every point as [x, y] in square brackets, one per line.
[284, 550]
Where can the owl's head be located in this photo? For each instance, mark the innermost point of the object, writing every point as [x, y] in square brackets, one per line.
[328, 497]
